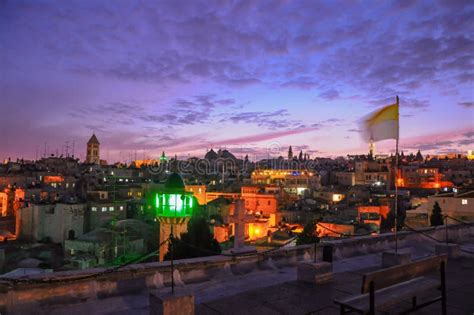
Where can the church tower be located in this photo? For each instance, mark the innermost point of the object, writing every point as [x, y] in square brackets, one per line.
[371, 149]
[93, 145]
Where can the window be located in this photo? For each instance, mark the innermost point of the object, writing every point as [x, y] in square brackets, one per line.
[111, 208]
[139, 194]
[464, 201]
[121, 208]
[104, 209]
[94, 209]
[269, 202]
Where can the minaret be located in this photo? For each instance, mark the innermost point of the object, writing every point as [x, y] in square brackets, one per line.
[93, 155]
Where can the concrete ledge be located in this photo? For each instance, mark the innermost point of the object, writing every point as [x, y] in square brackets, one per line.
[453, 250]
[314, 272]
[391, 258]
[168, 304]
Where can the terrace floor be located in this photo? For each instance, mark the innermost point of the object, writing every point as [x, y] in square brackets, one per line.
[278, 292]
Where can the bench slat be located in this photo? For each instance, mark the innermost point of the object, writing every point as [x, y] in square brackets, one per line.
[391, 295]
[393, 275]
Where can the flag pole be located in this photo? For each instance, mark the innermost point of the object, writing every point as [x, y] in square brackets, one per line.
[396, 175]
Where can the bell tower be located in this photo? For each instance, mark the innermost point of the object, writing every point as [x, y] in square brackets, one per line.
[92, 156]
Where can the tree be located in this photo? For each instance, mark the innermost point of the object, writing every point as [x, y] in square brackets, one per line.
[196, 242]
[436, 217]
[309, 234]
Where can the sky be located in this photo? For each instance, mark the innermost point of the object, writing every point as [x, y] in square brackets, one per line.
[250, 76]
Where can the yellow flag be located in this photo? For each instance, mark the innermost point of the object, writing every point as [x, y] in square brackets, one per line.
[382, 124]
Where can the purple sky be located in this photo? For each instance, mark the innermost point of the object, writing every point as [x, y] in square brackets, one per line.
[251, 76]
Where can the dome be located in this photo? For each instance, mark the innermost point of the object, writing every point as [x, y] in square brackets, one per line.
[174, 183]
[211, 155]
[227, 155]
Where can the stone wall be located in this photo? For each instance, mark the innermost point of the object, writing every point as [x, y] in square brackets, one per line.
[24, 298]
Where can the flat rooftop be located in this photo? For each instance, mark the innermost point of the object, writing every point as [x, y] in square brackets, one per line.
[276, 291]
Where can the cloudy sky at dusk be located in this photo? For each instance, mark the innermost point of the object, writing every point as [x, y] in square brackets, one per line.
[183, 76]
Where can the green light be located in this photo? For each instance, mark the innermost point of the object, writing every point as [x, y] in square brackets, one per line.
[174, 205]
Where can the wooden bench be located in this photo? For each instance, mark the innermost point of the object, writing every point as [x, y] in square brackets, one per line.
[386, 287]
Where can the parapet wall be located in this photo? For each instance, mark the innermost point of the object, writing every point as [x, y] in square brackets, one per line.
[23, 298]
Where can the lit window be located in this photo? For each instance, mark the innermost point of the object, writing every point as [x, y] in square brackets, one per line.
[104, 209]
[464, 201]
[111, 208]
[200, 190]
[121, 208]
[94, 209]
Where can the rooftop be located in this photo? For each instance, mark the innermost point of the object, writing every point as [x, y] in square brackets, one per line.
[278, 292]
[249, 285]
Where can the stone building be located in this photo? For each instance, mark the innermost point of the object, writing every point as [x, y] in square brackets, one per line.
[54, 221]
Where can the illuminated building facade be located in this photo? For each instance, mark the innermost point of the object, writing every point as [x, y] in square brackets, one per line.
[421, 177]
[372, 214]
[258, 201]
[333, 229]
[198, 191]
[294, 182]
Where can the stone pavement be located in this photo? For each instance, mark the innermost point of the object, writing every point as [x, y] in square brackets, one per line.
[299, 298]
[277, 292]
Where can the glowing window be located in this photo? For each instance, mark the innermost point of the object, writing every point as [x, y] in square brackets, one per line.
[94, 209]
[104, 209]
[464, 201]
[111, 208]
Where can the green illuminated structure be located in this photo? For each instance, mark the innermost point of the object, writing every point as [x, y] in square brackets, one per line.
[173, 202]
[173, 209]
[171, 205]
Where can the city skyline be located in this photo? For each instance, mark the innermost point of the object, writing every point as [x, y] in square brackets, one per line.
[183, 77]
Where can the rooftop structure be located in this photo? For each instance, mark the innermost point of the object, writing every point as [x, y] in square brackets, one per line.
[250, 284]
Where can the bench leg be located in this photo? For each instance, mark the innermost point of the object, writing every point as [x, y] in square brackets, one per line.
[443, 289]
[372, 298]
[342, 310]
[413, 302]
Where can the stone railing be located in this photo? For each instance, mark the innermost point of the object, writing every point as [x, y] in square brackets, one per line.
[62, 288]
